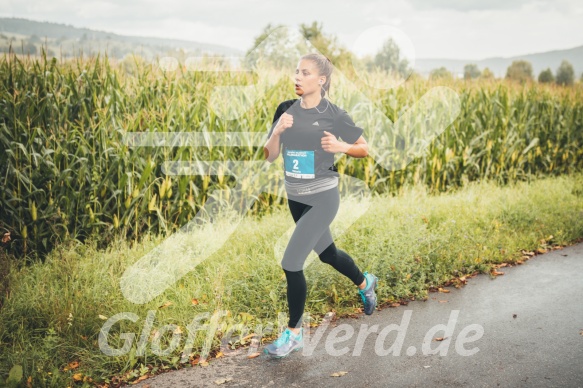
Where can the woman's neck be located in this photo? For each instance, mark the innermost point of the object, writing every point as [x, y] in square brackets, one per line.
[310, 101]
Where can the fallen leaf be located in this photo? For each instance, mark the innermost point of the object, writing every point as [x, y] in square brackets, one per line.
[247, 337]
[253, 355]
[541, 250]
[194, 302]
[442, 301]
[155, 335]
[71, 365]
[396, 304]
[439, 338]
[338, 374]
[74, 364]
[496, 273]
[102, 317]
[204, 363]
[78, 376]
[165, 305]
[443, 290]
[141, 378]
[219, 355]
[178, 330]
[6, 237]
[223, 381]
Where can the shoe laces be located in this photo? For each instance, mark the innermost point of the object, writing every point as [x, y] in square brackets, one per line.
[364, 290]
[285, 336]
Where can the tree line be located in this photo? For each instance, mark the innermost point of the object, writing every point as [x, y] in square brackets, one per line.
[519, 70]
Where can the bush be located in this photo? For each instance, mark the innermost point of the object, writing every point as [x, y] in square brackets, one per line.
[519, 71]
[565, 74]
[546, 76]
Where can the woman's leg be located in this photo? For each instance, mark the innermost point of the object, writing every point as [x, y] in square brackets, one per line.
[312, 215]
[343, 263]
[296, 296]
[296, 281]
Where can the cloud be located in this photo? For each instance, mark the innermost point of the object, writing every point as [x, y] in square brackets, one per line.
[468, 5]
[563, 6]
[462, 29]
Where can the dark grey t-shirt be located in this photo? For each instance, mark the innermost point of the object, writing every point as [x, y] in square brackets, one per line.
[304, 158]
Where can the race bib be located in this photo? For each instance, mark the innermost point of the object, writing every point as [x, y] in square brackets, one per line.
[299, 164]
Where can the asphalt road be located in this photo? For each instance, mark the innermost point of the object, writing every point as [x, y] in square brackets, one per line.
[522, 329]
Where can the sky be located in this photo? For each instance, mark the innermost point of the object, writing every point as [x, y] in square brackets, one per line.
[453, 29]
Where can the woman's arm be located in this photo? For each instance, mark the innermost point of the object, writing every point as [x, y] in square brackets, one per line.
[271, 148]
[282, 121]
[357, 150]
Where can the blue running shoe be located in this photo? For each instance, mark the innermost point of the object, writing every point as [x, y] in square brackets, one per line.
[368, 296]
[285, 344]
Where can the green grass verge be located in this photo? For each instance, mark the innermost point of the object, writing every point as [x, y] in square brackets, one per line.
[50, 314]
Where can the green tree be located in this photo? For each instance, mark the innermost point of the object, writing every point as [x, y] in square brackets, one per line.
[276, 46]
[34, 39]
[273, 46]
[520, 71]
[389, 58]
[29, 48]
[327, 45]
[487, 74]
[546, 76]
[440, 73]
[565, 73]
[471, 71]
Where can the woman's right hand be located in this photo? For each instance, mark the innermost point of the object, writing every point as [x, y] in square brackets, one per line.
[285, 121]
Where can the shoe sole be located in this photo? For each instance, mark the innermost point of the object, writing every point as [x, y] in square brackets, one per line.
[283, 355]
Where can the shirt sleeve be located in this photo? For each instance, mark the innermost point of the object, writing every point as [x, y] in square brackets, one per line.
[345, 128]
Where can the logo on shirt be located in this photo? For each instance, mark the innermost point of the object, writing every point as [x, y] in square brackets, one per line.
[316, 123]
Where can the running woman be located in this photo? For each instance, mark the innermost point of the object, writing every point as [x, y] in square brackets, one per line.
[308, 129]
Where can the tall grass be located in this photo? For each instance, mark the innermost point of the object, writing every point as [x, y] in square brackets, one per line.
[67, 173]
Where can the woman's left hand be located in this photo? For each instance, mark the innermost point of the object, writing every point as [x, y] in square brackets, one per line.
[331, 144]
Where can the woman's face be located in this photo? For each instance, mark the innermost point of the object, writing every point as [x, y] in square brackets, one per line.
[307, 78]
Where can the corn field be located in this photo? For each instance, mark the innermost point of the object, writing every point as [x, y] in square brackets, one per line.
[67, 173]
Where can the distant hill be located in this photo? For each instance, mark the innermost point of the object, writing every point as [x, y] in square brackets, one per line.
[66, 40]
[498, 65]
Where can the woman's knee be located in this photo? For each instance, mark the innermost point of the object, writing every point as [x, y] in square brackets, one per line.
[328, 255]
[292, 264]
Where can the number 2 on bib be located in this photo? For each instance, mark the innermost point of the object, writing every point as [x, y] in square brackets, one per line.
[299, 164]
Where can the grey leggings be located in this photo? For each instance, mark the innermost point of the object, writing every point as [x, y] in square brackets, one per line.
[313, 215]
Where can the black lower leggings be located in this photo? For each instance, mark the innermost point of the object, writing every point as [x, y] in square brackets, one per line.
[313, 214]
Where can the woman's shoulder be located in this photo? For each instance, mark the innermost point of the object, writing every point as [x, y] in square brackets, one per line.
[337, 110]
[286, 104]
